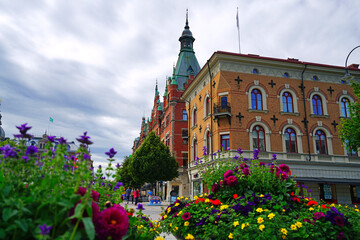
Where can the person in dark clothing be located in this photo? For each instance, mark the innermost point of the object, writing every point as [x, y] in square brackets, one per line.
[127, 194]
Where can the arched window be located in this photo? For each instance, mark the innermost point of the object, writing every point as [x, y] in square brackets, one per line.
[258, 136]
[256, 99]
[194, 149]
[345, 107]
[317, 105]
[290, 140]
[207, 107]
[288, 105]
[320, 141]
[194, 117]
[208, 142]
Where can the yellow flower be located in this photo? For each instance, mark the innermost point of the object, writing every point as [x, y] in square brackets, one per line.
[298, 224]
[181, 197]
[311, 209]
[283, 231]
[259, 210]
[261, 227]
[247, 224]
[177, 198]
[170, 224]
[196, 198]
[271, 216]
[169, 210]
[231, 236]
[224, 207]
[260, 220]
[332, 205]
[284, 210]
[186, 223]
[356, 206]
[180, 213]
[177, 204]
[186, 199]
[165, 216]
[293, 227]
[189, 236]
[176, 228]
[261, 195]
[205, 194]
[207, 200]
[159, 238]
[236, 223]
[201, 196]
[243, 226]
[357, 210]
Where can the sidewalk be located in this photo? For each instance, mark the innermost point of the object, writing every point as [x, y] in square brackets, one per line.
[153, 211]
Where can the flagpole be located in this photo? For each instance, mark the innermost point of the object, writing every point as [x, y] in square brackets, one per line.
[238, 26]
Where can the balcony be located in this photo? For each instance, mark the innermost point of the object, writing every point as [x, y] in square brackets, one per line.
[222, 110]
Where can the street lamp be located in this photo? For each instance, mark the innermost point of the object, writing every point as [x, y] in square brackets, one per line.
[348, 76]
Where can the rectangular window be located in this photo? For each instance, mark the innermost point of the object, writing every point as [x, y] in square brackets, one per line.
[225, 142]
[223, 102]
[196, 188]
[355, 194]
[185, 118]
[328, 193]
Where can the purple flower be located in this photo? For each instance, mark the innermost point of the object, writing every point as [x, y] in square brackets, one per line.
[31, 150]
[274, 156]
[8, 151]
[111, 153]
[103, 184]
[340, 236]
[51, 138]
[62, 140]
[100, 166]
[236, 157]
[118, 165]
[245, 159]
[23, 132]
[45, 230]
[26, 159]
[256, 153]
[140, 207]
[85, 139]
[240, 151]
[204, 151]
[86, 156]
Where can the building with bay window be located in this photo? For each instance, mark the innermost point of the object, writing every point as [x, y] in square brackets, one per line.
[279, 106]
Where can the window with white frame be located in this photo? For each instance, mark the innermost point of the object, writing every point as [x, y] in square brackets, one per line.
[207, 106]
[258, 137]
[194, 117]
[290, 140]
[320, 142]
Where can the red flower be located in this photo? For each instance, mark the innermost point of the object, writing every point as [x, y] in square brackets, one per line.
[215, 202]
[215, 188]
[112, 223]
[231, 181]
[199, 200]
[285, 168]
[312, 203]
[235, 196]
[295, 199]
[274, 168]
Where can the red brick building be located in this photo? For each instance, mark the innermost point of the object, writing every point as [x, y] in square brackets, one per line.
[169, 117]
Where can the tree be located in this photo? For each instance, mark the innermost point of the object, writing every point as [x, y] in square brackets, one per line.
[153, 162]
[350, 127]
[124, 175]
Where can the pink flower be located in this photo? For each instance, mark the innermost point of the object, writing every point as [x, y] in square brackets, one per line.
[186, 216]
[228, 173]
[112, 223]
[274, 168]
[261, 164]
[246, 171]
[95, 195]
[81, 191]
[215, 188]
[231, 181]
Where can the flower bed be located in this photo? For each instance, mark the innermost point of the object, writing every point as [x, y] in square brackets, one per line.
[254, 200]
[56, 196]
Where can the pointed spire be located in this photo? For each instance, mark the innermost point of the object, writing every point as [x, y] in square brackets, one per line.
[187, 22]
[166, 89]
[173, 81]
[156, 89]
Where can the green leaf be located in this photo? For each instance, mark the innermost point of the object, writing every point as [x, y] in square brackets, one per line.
[89, 227]
[6, 190]
[78, 211]
[8, 213]
[22, 224]
[2, 234]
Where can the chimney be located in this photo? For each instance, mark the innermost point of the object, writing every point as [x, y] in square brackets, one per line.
[354, 66]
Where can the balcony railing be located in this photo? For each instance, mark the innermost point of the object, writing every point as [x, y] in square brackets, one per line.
[222, 108]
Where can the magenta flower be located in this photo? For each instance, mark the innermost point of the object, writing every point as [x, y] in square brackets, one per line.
[246, 171]
[186, 216]
[274, 168]
[231, 181]
[261, 164]
[285, 168]
[112, 223]
[318, 215]
[228, 173]
[243, 165]
[215, 188]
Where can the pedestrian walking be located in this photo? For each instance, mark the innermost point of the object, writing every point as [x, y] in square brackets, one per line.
[136, 196]
[127, 194]
[132, 196]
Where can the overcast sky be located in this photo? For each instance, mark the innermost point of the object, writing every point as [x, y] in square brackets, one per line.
[92, 65]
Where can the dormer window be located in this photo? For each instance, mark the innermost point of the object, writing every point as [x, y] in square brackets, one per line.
[255, 71]
[315, 78]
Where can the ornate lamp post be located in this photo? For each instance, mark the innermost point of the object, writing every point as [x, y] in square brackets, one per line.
[348, 76]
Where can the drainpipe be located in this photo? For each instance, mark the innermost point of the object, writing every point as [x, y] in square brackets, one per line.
[305, 117]
[211, 114]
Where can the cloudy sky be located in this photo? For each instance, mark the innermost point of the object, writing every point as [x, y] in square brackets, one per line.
[92, 65]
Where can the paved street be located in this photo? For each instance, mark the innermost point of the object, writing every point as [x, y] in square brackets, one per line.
[153, 212]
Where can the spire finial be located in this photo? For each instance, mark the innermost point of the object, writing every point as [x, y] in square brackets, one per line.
[187, 15]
